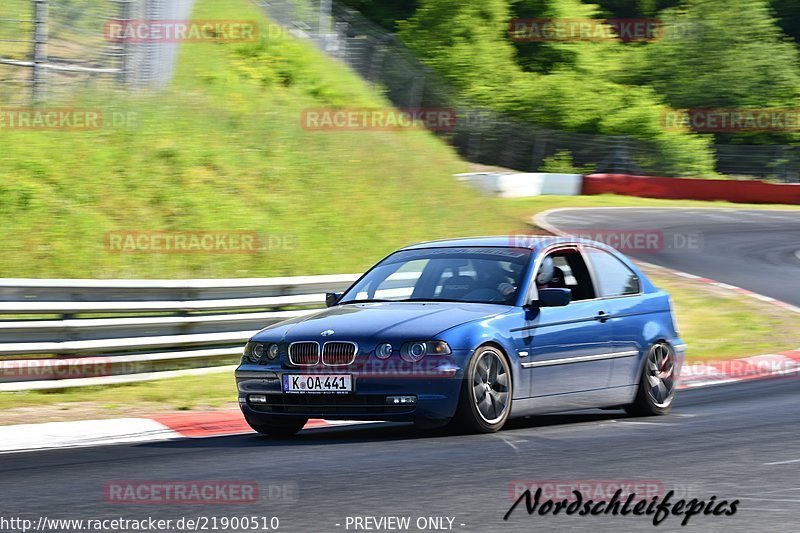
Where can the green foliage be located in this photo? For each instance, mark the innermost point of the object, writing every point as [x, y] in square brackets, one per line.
[735, 56]
[561, 163]
[465, 41]
[562, 85]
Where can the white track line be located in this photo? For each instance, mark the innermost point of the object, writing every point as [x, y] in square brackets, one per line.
[783, 462]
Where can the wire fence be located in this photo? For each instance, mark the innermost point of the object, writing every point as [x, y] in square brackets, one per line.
[16, 45]
[483, 136]
[49, 49]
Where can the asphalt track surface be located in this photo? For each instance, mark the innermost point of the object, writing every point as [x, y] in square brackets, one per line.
[758, 250]
[719, 442]
[733, 442]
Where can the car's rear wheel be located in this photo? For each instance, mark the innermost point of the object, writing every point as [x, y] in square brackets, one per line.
[485, 401]
[285, 427]
[657, 385]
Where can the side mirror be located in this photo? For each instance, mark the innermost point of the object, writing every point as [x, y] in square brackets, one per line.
[553, 298]
[331, 298]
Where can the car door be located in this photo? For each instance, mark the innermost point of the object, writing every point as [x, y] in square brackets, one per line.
[620, 289]
[566, 349]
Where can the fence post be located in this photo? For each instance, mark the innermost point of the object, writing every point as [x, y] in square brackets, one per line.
[39, 51]
[324, 24]
[537, 154]
[378, 54]
[415, 97]
[126, 15]
[622, 162]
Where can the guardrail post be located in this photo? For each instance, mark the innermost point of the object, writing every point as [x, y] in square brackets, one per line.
[40, 37]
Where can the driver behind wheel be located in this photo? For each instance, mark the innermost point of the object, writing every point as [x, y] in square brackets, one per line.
[492, 275]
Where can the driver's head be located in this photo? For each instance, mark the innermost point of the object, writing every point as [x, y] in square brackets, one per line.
[546, 271]
[488, 271]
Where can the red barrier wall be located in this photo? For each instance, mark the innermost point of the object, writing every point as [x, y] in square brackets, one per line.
[742, 191]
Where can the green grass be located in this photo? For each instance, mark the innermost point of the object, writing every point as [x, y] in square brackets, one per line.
[718, 324]
[210, 391]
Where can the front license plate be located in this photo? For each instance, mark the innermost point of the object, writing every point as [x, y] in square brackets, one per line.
[316, 383]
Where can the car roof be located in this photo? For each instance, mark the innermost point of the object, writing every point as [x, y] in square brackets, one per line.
[533, 242]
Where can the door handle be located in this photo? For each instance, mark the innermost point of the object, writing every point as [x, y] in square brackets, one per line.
[601, 316]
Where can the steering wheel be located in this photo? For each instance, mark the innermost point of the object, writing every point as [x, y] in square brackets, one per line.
[485, 295]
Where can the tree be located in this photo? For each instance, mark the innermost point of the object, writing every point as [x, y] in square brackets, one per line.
[571, 89]
[464, 40]
[733, 55]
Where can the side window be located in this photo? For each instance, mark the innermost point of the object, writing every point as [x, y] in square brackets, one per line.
[569, 272]
[614, 278]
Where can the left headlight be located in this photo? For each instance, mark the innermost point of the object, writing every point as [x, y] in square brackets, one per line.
[416, 350]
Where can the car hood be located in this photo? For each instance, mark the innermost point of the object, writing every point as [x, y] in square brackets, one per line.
[381, 320]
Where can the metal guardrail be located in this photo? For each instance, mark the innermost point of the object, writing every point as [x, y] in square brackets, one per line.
[73, 332]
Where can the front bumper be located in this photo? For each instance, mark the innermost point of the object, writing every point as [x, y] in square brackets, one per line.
[435, 387]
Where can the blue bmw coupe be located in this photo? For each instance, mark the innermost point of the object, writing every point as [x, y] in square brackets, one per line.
[472, 331]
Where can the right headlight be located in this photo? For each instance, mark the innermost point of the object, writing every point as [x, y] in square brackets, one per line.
[254, 351]
[272, 352]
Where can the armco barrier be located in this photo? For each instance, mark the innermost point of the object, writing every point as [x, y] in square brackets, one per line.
[68, 333]
[523, 184]
[740, 191]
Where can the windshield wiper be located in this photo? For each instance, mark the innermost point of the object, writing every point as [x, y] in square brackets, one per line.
[365, 301]
[432, 300]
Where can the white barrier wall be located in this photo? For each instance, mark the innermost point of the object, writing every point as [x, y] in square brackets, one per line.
[520, 184]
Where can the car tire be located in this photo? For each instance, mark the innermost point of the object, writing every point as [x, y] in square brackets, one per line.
[657, 384]
[485, 400]
[282, 428]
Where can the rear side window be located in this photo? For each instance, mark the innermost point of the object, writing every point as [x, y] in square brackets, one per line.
[613, 277]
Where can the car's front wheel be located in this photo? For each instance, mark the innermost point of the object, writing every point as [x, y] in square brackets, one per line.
[485, 401]
[658, 382]
[285, 427]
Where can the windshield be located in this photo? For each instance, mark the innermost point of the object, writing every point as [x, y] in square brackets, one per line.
[472, 274]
